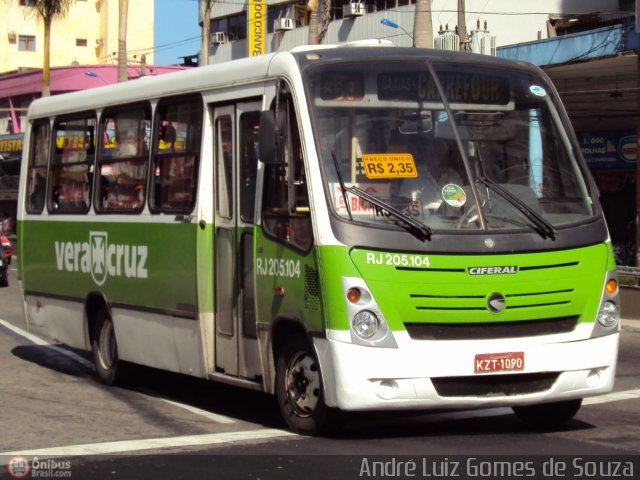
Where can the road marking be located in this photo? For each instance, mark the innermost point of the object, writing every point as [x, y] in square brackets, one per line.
[84, 362]
[148, 444]
[613, 397]
[43, 343]
[203, 413]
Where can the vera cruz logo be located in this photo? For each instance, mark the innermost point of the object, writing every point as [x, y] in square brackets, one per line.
[101, 259]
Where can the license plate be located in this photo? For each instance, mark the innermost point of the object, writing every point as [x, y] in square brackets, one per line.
[498, 362]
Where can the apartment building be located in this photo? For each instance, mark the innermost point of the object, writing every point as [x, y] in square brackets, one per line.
[87, 35]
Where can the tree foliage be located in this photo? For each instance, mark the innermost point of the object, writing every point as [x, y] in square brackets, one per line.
[48, 10]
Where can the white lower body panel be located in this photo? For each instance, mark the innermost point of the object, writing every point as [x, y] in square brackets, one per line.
[368, 378]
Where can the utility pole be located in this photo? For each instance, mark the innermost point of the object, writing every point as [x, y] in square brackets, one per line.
[206, 7]
[143, 64]
[462, 28]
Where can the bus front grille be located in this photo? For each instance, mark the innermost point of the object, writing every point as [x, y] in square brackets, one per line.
[494, 385]
[491, 330]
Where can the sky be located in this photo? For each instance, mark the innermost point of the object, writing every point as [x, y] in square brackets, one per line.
[176, 30]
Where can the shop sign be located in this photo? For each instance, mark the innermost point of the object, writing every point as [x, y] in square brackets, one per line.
[609, 149]
[257, 30]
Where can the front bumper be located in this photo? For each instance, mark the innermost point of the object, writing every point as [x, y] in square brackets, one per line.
[367, 378]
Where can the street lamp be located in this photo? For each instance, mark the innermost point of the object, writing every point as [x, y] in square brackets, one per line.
[90, 73]
[392, 24]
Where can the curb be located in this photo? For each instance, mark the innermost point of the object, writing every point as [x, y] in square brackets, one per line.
[629, 324]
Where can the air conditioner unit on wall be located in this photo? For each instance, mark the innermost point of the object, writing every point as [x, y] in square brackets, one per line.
[281, 24]
[356, 9]
[220, 37]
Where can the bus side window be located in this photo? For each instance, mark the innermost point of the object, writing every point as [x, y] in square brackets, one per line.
[72, 164]
[176, 154]
[124, 159]
[249, 128]
[37, 171]
[286, 214]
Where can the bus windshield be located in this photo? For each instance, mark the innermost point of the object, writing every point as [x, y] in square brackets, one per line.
[452, 146]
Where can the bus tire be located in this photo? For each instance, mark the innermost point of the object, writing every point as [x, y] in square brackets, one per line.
[299, 389]
[105, 349]
[548, 415]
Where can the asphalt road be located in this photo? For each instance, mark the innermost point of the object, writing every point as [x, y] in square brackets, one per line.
[163, 425]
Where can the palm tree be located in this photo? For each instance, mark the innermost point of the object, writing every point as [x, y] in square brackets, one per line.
[47, 10]
[206, 6]
[123, 13]
[422, 28]
[312, 38]
[326, 19]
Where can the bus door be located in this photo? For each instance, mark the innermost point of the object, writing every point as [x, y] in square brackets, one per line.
[235, 146]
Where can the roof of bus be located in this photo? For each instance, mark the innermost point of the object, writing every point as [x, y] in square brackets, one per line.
[237, 72]
[185, 81]
[361, 51]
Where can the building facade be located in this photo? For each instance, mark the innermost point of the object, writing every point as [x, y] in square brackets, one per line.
[87, 35]
[588, 48]
[283, 24]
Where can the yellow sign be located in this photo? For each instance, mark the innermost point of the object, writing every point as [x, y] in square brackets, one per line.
[257, 28]
[11, 145]
[389, 165]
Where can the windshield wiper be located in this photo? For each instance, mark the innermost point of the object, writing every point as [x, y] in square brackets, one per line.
[541, 225]
[419, 229]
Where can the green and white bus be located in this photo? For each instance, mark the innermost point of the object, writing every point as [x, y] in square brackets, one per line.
[350, 228]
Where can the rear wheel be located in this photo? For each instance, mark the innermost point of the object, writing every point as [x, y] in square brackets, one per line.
[105, 350]
[299, 389]
[548, 415]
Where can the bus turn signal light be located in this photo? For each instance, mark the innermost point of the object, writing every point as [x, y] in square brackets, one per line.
[353, 295]
[611, 287]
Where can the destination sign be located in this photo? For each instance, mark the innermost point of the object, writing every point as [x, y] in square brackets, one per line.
[342, 86]
[459, 87]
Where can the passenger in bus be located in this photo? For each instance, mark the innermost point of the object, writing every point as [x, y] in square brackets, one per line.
[167, 136]
[36, 198]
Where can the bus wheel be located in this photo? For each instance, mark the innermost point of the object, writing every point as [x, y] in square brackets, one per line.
[299, 389]
[105, 349]
[548, 415]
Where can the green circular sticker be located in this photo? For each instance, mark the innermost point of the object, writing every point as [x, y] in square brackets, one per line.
[454, 195]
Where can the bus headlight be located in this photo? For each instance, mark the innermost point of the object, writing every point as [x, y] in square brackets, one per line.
[608, 314]
[366, 321]
[365, 324]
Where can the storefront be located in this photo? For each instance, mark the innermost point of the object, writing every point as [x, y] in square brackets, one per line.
[596, 73]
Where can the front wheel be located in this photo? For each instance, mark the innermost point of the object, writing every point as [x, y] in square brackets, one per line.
[299, 389]
[105, 350]
[548, 415]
